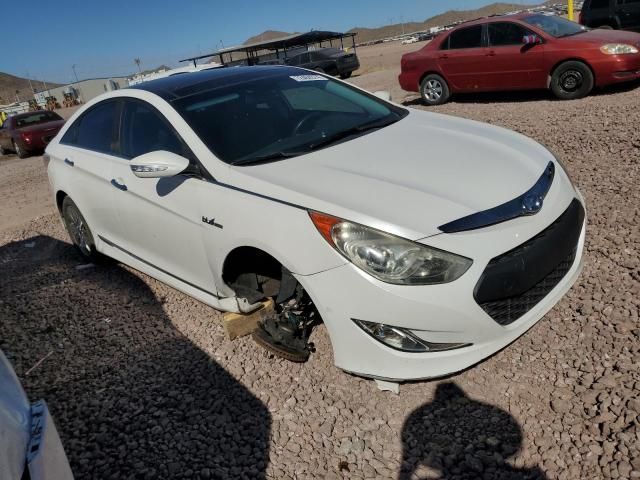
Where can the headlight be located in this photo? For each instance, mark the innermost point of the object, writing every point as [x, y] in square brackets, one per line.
[387, 257]
[618, 49]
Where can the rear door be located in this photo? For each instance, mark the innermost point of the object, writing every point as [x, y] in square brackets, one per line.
[83, 164]
[629, 14]
[510, 64]
[161, 219]
[462, 58]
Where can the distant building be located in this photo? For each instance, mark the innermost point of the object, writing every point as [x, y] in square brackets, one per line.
[83, 90]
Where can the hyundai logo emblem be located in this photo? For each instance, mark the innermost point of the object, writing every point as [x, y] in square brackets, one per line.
[531, 204]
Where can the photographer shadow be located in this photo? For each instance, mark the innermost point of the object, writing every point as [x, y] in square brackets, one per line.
[461, 438]
[131, 395]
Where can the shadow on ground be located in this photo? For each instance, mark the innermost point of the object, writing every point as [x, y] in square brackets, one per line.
[132, 397]
[521, 96]
[456, 437]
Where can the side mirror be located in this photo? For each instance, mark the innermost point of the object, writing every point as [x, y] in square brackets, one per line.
[158, 164]
[531, 40]
[383, 94]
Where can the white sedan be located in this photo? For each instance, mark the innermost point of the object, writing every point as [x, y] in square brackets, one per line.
[424, 242]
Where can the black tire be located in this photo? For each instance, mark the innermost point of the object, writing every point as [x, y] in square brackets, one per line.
[434, 90]
[20, 151]
[345, 75]
[571, 80]
[78, 230]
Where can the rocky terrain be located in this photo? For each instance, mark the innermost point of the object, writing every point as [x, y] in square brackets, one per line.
[143, 383]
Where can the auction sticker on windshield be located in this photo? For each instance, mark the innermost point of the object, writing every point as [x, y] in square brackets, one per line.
[308, 78]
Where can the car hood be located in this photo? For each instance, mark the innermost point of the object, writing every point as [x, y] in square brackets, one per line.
[52, 126]
[601, 36]
[408, 178]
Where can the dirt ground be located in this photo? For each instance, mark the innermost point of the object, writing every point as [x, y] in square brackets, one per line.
[143, 383]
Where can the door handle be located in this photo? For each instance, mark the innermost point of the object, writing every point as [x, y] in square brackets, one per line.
[119, 186]
[71, 163]
[444, 55]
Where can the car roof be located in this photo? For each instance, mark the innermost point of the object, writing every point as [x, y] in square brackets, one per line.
[179, 86]
[494, 18]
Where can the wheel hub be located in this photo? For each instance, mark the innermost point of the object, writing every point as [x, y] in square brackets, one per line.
[433, 90]
[78, 230]
[571, 80]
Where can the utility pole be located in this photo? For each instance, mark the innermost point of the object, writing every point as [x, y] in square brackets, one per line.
[570, 8]
[73, 67]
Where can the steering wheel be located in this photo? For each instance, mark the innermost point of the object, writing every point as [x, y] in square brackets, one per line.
[305, 121]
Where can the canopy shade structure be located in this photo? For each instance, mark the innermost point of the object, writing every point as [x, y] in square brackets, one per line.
[277, 45]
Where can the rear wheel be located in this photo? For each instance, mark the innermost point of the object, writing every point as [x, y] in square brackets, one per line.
[78, 229]
[434, 90]
[20, 151]
[571, 80]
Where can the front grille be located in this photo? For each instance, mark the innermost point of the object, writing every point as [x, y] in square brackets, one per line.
[514, 282]
[508, 310]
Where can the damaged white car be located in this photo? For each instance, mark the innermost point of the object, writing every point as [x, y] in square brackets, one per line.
[423, 242]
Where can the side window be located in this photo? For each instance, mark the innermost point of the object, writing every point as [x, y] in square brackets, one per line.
[506, 33]
[470, 37]
[145, 130]
[95, 128]
[596, 4]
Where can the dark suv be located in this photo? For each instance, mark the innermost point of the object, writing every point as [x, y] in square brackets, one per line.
[327, 60]
[617, 14]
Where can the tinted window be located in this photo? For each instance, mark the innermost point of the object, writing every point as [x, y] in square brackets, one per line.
[501, 34]
[599, 4]
[145, 130]
[95, 131]
[287, 112]
[470, 37]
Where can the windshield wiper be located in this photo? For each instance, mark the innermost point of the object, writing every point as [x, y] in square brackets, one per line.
[267, 157]
[573, 33]
[374, 125]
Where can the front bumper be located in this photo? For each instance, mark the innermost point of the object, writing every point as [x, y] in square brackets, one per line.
[445, 313]
[614, 69]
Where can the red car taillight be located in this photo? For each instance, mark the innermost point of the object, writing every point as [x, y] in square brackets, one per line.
[26, 137]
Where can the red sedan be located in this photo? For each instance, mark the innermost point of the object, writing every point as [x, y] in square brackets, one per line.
[521, 52]
[27, 133]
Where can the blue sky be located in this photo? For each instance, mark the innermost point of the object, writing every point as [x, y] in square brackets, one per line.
[102, 37]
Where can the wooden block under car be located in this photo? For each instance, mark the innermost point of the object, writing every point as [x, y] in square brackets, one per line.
[241, 324]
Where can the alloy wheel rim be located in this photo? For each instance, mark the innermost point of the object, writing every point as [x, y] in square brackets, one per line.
[78, 230]
[571, 81]
[433, 90]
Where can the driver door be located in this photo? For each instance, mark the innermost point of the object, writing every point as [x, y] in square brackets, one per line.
[160, 219]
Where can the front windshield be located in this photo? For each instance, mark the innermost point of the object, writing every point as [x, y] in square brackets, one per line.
[282, 114]
[555, 26]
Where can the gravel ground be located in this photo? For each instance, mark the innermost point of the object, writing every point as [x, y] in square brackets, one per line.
[143, 383]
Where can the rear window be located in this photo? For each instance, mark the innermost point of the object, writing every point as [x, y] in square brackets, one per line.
[36, 118]
[470, 37]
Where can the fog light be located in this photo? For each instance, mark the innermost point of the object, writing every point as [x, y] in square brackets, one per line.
[402, 339]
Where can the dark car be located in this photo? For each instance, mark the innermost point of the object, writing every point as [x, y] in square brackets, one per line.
[615, 14]
[327, 60]
[27, 133]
